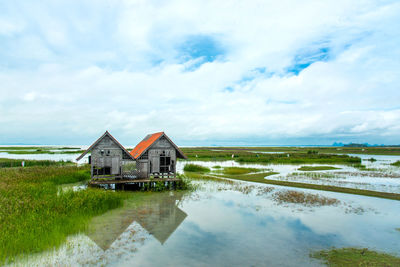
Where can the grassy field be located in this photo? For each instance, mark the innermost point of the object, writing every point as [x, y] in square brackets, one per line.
[317, 168]
[5, 163]
[309, 150]
[246, 156]
[355, 257]
[41, 150]
[36, 215]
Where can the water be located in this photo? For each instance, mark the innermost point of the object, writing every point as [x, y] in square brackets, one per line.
[235, 223]
[384, 178]
[224, 225]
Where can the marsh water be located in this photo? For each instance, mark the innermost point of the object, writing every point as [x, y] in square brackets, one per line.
[235, 223]
[227, 224]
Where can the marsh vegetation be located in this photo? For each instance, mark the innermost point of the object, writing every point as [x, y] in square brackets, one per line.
[317, 168]
[349, 257]
[40, 216]
[5, 163]
[37, 215]
[307, 199]
[26, 150]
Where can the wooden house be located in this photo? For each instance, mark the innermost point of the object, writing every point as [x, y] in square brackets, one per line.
[108, 157]
[156, 156]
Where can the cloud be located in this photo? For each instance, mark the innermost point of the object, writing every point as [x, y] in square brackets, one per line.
[206, 72]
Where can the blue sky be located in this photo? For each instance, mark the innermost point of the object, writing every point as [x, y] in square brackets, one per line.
[205, 72]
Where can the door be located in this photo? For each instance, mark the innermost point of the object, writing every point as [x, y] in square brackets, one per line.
[115, 166]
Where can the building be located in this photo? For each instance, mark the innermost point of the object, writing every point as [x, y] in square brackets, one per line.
[108, 157]
[156, 156]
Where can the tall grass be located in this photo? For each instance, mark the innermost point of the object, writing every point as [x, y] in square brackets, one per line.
[195, 168]
[397, 163]
[239, 170]
[36, 215]
[245, 156]
[6, 163]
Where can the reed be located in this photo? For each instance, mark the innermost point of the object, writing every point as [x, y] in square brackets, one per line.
[36, 214]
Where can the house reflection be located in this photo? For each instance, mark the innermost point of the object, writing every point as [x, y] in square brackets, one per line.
[157, 213]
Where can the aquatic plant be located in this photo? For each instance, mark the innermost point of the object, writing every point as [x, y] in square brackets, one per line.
[36, 214]
[246, 155]
[239, 170]
[397, 163]
[6, 163]
[195, 168]
[320, 150]
[290, 196]
[355, 257]
[313, 175]
[317, 168]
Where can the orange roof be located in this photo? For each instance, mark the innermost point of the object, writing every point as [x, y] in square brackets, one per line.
[144, 144]
[148, 141]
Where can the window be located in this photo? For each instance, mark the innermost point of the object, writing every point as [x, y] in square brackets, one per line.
[165, 162]
[108, 152]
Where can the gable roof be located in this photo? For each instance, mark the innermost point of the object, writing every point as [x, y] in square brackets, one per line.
[98, 140]
[148, 141]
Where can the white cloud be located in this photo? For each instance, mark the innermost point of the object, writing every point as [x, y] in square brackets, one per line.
[78, 71]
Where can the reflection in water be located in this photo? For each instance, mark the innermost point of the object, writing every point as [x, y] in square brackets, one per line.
[157, 213]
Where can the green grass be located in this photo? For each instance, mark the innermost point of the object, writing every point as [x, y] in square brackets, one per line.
[242, 155]
[317, 168]
[311, 150]
[41, 150]
[36, 214]
[238, 170]
[5, 163]
[397, 163]
[355, 257]
[195, 168]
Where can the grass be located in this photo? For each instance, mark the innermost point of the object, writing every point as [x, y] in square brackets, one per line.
[397, 163]
[41, 150]
[36, 214]
[307, 199]
[238, 170]
[247, 156]
[195, 168]
[5, 163]
[317, 168]
[313, 175]
[356, 257]
[394, 150]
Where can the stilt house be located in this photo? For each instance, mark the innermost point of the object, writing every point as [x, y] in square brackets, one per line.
[108, 157]
[156, 156]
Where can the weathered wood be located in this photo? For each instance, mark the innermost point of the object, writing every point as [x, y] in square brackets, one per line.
[133, 181]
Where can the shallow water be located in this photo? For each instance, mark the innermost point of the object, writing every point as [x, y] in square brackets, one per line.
[228, 224]
[235, 223]
[385, 178]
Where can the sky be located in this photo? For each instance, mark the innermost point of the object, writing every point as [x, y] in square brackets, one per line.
[205, 72]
